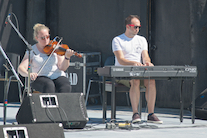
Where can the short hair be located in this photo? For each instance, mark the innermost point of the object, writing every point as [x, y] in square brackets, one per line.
[129, 18]
[38, 27]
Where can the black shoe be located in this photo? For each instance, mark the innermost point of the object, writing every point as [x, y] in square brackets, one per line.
[136, 118]
[153, 119]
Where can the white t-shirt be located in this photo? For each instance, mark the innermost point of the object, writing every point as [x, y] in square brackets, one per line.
[50, 69]
[131, 47]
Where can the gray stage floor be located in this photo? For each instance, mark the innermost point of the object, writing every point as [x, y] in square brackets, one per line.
[171, 128]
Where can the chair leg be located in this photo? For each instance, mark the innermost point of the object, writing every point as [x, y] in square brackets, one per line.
[20, 93]
[99, 88]
[19, 88]
[127, 97]
[88, 90]
[24, 92]
[140, 105]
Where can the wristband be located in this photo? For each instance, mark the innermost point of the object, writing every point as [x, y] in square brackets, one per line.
[67, 58]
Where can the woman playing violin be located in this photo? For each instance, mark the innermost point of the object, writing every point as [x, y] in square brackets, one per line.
[52, 77]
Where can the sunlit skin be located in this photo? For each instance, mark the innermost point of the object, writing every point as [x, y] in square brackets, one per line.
[43, 39]
[134, 92]
[130, 30]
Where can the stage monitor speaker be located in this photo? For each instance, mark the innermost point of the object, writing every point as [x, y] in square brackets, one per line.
[66, 108]
[201, 105]
[48, 130]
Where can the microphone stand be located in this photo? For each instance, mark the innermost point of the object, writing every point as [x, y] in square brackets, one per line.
[29, 48]
[6, 89]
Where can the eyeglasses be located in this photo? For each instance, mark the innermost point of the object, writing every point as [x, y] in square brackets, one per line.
[45, 37]
[135, 27]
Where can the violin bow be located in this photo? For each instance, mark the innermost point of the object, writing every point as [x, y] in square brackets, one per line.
[50, 54]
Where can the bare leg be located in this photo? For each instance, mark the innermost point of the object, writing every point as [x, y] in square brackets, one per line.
[134, 94]
[150, 94]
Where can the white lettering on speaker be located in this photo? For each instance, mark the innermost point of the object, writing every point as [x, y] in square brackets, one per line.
[73, 79]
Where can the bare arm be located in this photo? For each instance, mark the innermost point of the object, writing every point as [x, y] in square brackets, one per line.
[146, 59]
[120, 57]
[23, 68]
[63, 63]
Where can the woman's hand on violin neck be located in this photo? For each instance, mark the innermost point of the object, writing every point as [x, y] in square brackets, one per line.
[69, 53]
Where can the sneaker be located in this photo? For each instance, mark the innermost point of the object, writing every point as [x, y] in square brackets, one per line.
[136, 118]
[153, 119]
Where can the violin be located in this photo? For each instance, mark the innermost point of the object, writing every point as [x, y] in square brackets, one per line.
[60, 50]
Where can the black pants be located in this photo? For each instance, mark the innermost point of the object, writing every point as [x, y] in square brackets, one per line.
[44, 84]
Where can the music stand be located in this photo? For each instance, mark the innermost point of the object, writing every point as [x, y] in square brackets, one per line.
[6, 90]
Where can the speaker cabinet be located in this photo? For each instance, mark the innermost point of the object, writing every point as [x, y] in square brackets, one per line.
[66, 108]
[201, 105]
[50, 130]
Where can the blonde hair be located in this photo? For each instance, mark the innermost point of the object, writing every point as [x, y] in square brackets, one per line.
[38, 27]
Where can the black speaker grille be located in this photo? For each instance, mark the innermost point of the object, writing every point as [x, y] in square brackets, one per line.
[70, 111]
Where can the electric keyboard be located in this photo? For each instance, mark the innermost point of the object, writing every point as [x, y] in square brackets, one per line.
[148, 71]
